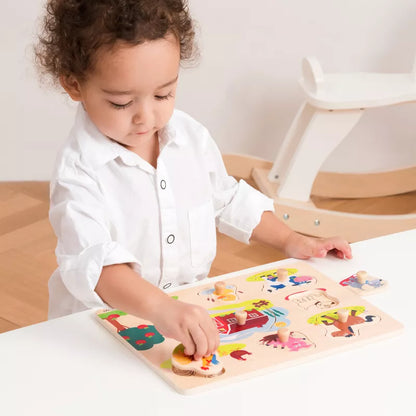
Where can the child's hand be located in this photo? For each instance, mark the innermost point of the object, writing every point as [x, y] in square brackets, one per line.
[303, 247]
[189, 324]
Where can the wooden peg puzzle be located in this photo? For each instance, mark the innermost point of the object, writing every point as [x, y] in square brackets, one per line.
[266, 321]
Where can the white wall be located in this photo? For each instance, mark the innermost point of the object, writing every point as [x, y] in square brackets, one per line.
[245, 87]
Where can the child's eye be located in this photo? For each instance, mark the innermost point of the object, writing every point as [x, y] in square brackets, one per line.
[120, 106]
[163, 97]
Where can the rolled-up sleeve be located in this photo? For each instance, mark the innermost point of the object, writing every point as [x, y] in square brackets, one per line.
[243, 213]
[85, 246]
[238, 205]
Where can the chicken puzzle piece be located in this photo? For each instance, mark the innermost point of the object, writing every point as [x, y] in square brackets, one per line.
[185, 365]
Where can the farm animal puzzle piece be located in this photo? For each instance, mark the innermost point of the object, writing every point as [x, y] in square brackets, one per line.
[344, 322]
[364, 284]
[305, 316]
[220, 292]
[294, 342]
[184, 365]
[278, 279]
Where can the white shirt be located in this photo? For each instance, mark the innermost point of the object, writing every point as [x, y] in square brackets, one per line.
[109, 206]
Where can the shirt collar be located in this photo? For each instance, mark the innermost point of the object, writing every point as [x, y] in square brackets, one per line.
[99, 149]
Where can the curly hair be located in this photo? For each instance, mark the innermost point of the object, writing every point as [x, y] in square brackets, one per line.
[74, 30]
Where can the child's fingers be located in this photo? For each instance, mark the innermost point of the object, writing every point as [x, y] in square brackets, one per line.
[200, 341]
[213, 337]
[347, 251]
[339, 247]
[188, 343]
[321, 248]
[343, 248]
[339, 254]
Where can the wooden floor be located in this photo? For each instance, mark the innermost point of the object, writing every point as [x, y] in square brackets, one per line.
[27, 245]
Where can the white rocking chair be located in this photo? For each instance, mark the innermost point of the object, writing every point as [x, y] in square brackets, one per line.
[334, 104]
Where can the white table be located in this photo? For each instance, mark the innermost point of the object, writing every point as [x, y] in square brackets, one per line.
[73, 366]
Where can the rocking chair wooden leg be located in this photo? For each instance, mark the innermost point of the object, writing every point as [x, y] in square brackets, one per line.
[306, 218]
[315, 133]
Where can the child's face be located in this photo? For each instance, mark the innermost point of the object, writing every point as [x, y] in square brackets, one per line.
[130, 94]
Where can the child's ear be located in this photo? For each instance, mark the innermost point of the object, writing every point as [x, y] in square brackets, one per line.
[71, 86]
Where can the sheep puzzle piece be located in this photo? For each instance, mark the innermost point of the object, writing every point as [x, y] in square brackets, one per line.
[272, 319]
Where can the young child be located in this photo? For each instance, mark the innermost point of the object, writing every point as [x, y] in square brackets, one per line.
[139, 187]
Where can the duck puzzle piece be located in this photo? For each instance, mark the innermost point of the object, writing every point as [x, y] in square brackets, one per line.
[220, 292]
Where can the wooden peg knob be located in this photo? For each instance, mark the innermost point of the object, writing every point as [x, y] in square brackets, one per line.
[282, 275]
[219, 288]
[362, 276]
[241, 317]
[343, 315]
[283, 334]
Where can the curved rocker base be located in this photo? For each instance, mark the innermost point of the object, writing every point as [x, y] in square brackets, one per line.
[364, 185]
[306, 218]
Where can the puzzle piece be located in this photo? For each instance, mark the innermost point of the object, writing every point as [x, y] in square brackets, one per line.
[344, 322]
[363, 284]
[278, 279]
[313, 299]
[292, 341]
[221, 292]
[262, 316]
[184, 365]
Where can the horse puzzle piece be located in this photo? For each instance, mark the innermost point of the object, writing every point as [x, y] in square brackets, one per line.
[340, 322]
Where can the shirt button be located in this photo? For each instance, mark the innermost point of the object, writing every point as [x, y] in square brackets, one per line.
[167, 285]
[163, 184]
[170, 239]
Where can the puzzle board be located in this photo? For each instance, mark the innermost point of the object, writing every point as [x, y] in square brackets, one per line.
[307, 304]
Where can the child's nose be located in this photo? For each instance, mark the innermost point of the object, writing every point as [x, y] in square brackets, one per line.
[142, 114]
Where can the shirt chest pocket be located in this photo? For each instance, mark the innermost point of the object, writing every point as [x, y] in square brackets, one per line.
[203, 239]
